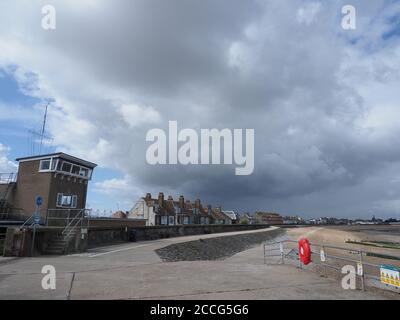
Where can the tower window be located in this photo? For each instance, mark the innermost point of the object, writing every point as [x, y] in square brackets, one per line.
[45, 164]
[66, 201]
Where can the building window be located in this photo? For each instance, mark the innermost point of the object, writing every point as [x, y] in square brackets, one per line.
[58, 165]
[164, 220]
[185, 220]
[66, 201]
[45, 165]
[66, 167]
[84, 172]
[54, 163]
[76, 170]
[171, 221]
[73, 169]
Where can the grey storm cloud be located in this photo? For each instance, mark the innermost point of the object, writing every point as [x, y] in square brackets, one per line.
[321, 101]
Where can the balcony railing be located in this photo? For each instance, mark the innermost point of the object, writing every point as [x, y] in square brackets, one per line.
[63, 217]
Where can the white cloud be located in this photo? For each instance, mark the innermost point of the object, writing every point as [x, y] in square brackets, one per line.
[308, 12]
[123, 190]
[323, 108]
[135, 115]
[6, 165]
[12, 112]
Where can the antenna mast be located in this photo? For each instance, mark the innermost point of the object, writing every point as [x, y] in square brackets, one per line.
[43, 128]
[39, 137]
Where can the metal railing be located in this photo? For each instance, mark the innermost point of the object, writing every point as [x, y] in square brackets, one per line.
[71, 219]
[327, 257]
[28, 222]
[4, 212]
[2, 241]
[9, 177]
[64, 217]
[80, 220]
[6, 180]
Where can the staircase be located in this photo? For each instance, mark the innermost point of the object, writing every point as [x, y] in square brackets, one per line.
[60, 243]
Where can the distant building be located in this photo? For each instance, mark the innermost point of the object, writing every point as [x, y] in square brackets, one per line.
[268, 218]
[170, 212]
[233, 216]
[293, 220]
[317, 221]
[119, 215]
[247, 218]
[61, 180]
[218, 216]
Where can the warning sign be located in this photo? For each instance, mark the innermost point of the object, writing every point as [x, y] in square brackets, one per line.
[390, 275]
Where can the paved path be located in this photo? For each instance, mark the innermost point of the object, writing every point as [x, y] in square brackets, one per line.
[134, 271]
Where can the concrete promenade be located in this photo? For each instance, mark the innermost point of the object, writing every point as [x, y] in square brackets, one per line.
[134, 271]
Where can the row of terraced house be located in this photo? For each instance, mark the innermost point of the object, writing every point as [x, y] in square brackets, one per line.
[163, 211]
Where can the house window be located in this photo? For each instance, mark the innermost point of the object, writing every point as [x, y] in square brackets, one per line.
[171, 220]
[66, 201]
[185, 220]
[45, 165]
[164, 220]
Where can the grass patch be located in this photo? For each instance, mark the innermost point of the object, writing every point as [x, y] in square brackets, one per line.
[382, 256]
[378, 244]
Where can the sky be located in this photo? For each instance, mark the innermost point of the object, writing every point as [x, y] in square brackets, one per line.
[323, 101]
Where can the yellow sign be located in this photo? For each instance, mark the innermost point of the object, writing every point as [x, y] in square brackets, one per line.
[390, 275]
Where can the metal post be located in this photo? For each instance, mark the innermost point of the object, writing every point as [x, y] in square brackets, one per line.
[324, 263]
[33, 239]
[282, 252]
[362, 277]
[264, 255]
[298, 253]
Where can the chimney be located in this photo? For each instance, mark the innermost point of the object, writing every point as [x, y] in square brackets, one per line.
[209, 209]
[181, 202]
[148, 196]
[161, 199]
[197, 204]
[170, 198]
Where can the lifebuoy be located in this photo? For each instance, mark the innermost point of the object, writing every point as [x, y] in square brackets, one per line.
[304, 251]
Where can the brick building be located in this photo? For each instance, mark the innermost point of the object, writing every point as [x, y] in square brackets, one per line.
[268, 218]
[61, 180]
